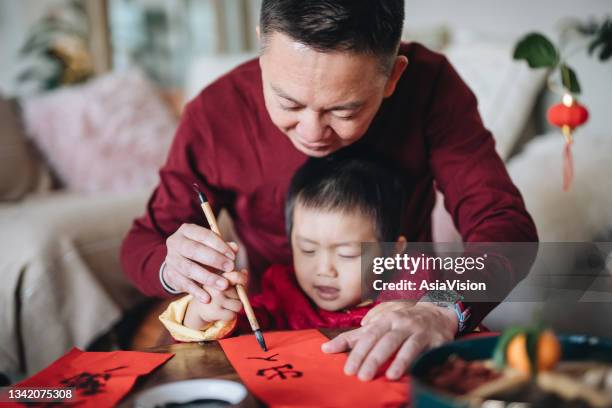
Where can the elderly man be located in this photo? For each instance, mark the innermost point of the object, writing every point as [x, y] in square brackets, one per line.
[332, 75]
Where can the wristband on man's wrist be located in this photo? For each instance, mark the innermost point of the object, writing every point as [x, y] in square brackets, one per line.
[165, 285]
[463, 314]
[452, 300]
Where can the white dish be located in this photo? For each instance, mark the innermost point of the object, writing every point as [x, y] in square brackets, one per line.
[191, 390]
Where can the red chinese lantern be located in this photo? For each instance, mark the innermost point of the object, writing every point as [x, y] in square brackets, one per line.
[568, 115]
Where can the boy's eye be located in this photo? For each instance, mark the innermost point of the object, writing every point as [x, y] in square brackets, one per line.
[349, 256]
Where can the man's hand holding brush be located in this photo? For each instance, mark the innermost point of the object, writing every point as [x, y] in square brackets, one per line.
[194, 257]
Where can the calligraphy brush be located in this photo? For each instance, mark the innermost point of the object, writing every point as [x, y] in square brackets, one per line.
[212, 221]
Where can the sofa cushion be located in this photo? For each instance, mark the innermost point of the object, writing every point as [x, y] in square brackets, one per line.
[19, 165]
[109, 134]
[507, 90]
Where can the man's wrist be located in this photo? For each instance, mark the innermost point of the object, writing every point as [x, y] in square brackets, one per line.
[452, 302]
[163, 282]
[452, 318]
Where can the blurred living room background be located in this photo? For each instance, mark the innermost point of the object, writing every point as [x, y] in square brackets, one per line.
[91, 92]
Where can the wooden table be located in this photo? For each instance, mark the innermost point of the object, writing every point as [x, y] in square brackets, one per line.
[192, 361]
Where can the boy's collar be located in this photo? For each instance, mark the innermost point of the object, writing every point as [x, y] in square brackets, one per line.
[366, 302]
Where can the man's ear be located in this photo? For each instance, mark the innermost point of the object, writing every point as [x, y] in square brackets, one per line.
[400, 244]
[258, 31]
[401, 62]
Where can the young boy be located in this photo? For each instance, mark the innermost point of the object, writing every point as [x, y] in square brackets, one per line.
[333, 205]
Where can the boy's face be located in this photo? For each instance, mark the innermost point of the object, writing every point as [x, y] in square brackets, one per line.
[326, 249]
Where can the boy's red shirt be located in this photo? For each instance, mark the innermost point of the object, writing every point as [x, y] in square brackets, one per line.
[283, 305]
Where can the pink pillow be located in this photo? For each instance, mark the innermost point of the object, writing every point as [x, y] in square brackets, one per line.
[110, 134]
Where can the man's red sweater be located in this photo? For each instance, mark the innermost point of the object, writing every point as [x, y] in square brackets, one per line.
[429, 129]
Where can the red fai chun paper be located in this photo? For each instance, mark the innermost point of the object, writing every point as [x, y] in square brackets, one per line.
[295, 372]
[100, 379]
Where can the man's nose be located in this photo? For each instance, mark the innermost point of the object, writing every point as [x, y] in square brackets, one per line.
[312, 128]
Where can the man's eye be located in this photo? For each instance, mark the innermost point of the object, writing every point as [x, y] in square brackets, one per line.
[346, 117]
[291, 108]
[345, 114]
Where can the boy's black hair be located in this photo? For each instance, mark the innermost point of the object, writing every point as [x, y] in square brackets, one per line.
[371, 27]
[344, 182]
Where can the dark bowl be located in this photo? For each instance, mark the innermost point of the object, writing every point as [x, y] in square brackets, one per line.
[575, 348]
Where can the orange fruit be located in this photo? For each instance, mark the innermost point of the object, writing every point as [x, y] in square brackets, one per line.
[516, 354]
[548, 352]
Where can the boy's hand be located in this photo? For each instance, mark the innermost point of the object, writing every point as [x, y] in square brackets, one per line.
[405, 328]
[224, 304]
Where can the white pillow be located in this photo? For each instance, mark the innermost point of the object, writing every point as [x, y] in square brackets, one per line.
[506, 89]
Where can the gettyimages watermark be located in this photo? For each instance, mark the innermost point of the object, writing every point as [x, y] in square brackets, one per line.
[489, 272]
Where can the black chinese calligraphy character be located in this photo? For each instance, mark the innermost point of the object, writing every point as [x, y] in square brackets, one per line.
[280, 371]
[269, 358]
[88, 383]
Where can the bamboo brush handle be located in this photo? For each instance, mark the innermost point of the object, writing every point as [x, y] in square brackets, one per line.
[248, 309]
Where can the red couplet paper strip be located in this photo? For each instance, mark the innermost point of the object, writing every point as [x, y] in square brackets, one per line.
[295, 372]
[100, 379]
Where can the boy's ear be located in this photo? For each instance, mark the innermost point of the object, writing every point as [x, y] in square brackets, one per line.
[400, 244]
